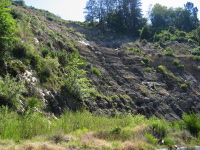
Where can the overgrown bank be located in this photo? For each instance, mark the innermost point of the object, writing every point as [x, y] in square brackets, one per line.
[83, 130]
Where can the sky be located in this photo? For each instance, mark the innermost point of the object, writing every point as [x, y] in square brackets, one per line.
[73, 9]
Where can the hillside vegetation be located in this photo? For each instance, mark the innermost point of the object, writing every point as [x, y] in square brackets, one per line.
[74, 85]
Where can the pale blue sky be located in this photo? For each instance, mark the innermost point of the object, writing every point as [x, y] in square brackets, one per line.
[73, 9]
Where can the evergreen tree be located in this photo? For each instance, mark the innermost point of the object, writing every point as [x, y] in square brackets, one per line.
[123, 15]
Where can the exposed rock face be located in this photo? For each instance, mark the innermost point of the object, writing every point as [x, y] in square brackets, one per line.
[140, 91]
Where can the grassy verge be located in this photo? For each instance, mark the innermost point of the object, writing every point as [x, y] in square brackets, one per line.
[84, 130]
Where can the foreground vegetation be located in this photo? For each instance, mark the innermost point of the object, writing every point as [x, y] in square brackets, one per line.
[88, 131]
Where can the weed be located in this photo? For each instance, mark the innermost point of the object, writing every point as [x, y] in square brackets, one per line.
[106, 85]
[195, 51]
[197, 58]
[114, 97]
[144, 42]
[168, 49]
[184, 86]
[192, 122]
[175, 62]
[165, 71]
[134, 49]
[168, 141]
[146, 60]
[169, 53]
[159, 128]
[148, 69]
[11, 90]
[96, 71]
[151, 139]
[181, 66]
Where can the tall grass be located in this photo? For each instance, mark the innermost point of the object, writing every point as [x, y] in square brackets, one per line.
[192, 122]
[27, 126]
[19, 127]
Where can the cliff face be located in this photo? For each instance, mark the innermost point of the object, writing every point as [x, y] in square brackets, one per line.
[144, 82]
[129, 76]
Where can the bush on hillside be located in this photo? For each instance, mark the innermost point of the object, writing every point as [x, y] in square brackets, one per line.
[192, 122]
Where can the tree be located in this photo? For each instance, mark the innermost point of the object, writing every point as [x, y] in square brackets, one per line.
[20, 2]
[91, 11]
[193, 11]
[159, 16]
[181, 18]
[123, 15]
[145, 32]
[7, 26]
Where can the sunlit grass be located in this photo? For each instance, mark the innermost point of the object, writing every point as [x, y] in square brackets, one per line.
[85, 130]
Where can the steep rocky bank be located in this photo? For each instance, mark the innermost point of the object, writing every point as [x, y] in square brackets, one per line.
[135, 77]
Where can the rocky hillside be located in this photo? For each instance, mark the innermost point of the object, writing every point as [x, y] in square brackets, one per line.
[70, 66]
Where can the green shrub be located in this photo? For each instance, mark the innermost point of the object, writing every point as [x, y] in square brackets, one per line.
[144, 42]
[192, 122]
[45, 52]
[181, 66]
[32, 103]
[16, 67]
[106, 85]
[198, 67]
[168, 49]
[168, 141]
[176, 62]
[148, 69]
[47, 66]
[151, 139]
[169, 53]
[50, 44]
[162, 68]
[183, 86]
[117, 133]
[20, 50]
[171, 29]
[62, 58]
[11, 90]
[145, 32]
[76, 84]
[195, 51]
[96, 71]
[197, 58]
[17, 14]
[167, 72]
[8, 28]
[147, 60]
[159, 128]
[134, 49]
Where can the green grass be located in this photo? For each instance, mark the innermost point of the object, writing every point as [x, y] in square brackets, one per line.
[176, 62]
[192, 122]
[148, 69]
[184, 86]
[118, 129]
[168, 73]
[96, 71]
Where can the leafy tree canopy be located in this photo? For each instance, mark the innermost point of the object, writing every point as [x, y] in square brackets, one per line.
[181, 18]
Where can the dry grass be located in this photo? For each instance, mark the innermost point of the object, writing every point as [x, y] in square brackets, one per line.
[31, 146]
[91, 140]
